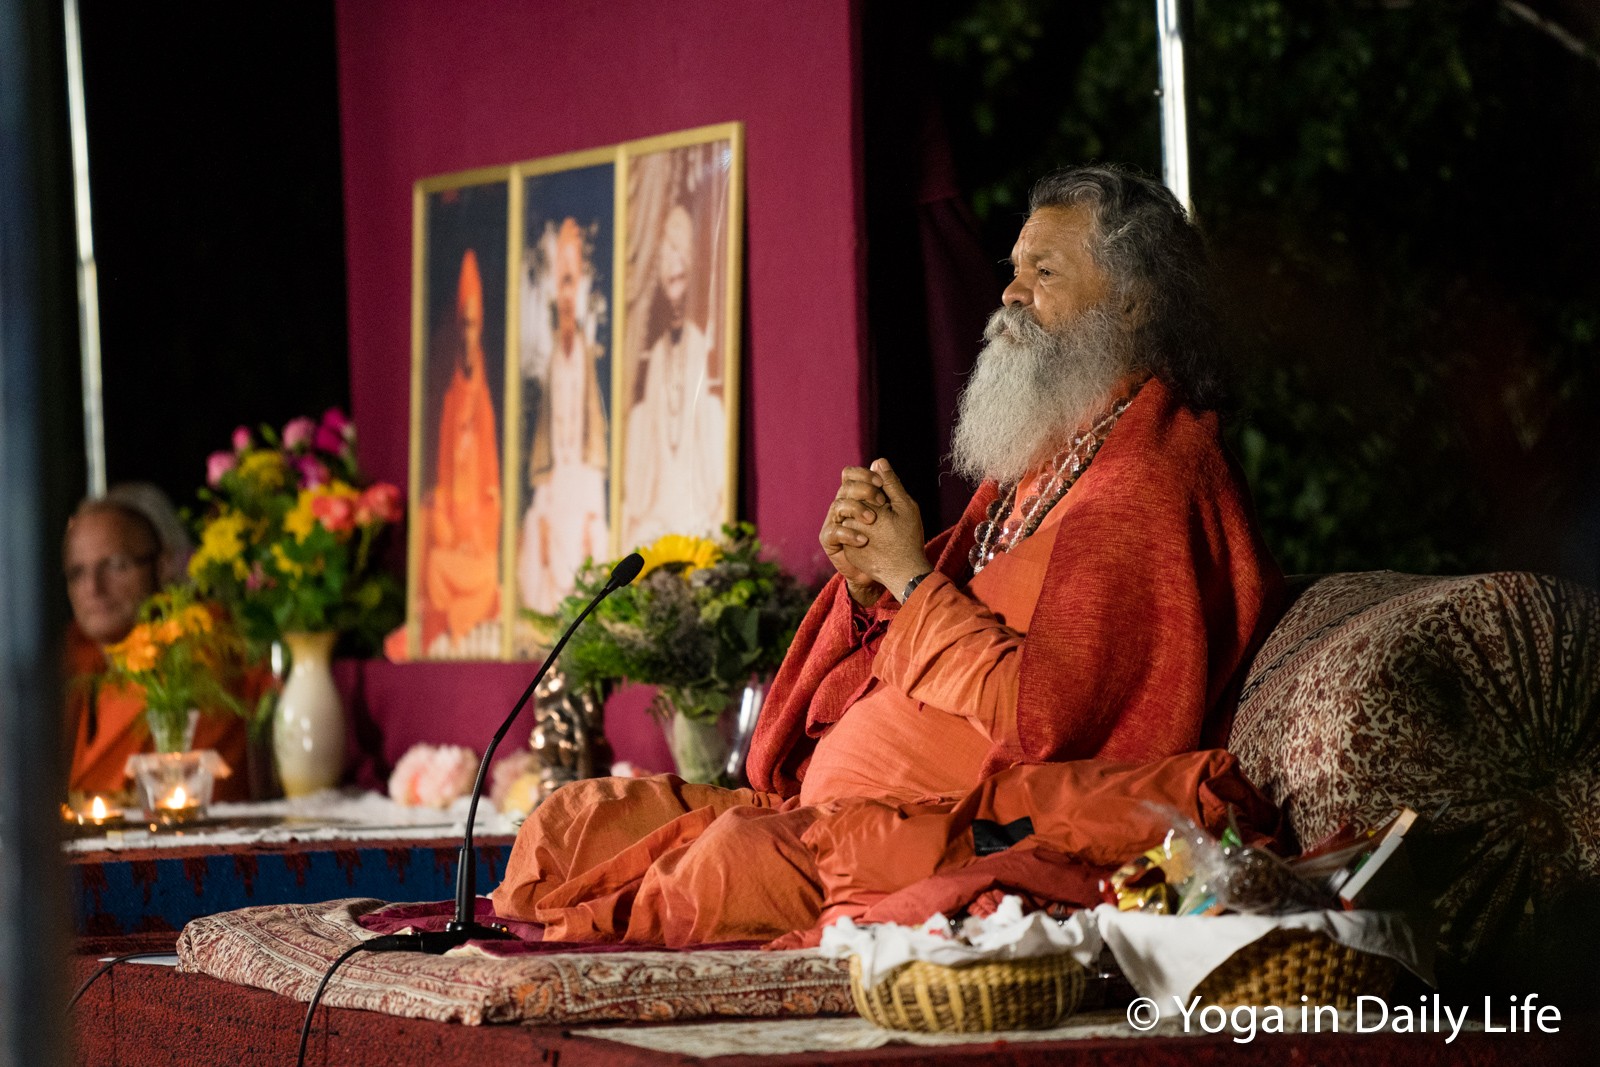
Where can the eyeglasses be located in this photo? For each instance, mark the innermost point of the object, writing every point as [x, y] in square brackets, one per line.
[117, 566]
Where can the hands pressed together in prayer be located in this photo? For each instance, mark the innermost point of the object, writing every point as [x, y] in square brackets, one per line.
[873, 533]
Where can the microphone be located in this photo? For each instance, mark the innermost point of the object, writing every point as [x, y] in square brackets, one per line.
[465, 927]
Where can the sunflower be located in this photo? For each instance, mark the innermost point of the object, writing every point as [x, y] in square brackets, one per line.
[684, 553]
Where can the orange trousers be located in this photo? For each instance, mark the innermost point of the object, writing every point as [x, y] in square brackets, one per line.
[662, 861]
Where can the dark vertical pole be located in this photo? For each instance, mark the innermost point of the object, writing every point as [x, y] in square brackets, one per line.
[37, 388]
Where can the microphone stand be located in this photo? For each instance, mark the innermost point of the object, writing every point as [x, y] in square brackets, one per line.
[465, 927]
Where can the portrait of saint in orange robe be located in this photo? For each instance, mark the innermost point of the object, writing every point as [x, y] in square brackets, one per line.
[461, 561]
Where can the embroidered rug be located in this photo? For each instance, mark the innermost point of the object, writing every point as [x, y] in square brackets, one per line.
[287, 948]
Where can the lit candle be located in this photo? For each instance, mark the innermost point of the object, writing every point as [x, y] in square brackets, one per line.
[99, 813]
[177, 806]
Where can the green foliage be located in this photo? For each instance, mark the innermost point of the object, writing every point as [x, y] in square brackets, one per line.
[701, 619]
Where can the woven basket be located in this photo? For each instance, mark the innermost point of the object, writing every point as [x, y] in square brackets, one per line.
[1287, 964]
[1004, 995]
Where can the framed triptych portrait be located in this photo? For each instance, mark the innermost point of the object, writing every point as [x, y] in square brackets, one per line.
[575, 377]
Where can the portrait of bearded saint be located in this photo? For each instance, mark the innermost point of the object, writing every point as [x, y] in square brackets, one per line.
[997, 705]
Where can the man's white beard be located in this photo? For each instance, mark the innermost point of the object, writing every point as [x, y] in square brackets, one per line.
[1031, 388]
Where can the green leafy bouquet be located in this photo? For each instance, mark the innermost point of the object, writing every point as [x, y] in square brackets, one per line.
[702, 618]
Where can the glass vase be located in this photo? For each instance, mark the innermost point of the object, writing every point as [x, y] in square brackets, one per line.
[308, 728]
[175, 787]
[700, 747]
[712, 751]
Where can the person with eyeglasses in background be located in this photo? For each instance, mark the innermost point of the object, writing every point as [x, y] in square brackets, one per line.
[119, 549]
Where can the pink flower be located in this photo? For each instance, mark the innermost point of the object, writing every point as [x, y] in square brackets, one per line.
[338, 424]
[256, 579]
[328, 440]
[299, 433]
[218, 464]
[312, 471]
[380, 503]
[435, 775]
[241, 439]
[505, 772]
[337, 513]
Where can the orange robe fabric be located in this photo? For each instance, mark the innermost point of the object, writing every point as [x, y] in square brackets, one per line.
[1118, 632]
[1157, 591]
[461, 571]
[106, 725]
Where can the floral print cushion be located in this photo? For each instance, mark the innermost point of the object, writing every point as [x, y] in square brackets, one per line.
[1476, 695]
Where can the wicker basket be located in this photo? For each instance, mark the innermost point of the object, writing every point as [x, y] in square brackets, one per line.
[1004, 995]
[1287, 964]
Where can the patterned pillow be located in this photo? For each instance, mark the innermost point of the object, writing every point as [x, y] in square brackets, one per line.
[1479, 695]
[286, 948]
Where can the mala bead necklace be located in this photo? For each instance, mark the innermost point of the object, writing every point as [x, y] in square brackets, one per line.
[997, 533]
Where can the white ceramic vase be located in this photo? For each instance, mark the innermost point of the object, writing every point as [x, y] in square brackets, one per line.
[308, 725]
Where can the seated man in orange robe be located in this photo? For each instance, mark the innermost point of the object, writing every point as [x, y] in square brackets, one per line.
[119, 549]
[1098, 602]
[461, 565]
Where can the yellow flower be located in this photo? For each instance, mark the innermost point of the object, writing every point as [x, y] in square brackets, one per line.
[222, 541]
[195, 619]
[691, 553]
[136, 652]
[264, 467]
[285, 564]
[301, 519]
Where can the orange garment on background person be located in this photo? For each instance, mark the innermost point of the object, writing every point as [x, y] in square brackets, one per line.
[1156, 590]
[461, 564]
[106, 725]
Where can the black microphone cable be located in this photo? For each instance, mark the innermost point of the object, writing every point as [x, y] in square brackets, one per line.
[386, 943]
[105, 968]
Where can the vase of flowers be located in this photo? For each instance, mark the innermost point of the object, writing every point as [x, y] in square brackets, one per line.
[704, 621]
[288, 542]
[188, 660]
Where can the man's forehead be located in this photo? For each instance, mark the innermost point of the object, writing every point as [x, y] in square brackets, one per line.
[109, 527]
[1056, 228]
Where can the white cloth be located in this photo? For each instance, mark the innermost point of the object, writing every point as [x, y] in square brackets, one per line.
[676, 477]
[326, 816]
[1007, 934]
[1168, 955]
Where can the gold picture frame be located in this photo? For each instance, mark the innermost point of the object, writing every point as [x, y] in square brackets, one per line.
[561, 382]
[676, 437]
[460, 344]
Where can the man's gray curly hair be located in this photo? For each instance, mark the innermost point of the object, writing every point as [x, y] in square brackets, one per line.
[1155, 261]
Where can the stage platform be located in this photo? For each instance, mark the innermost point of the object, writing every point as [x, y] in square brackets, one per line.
[143, 1015]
